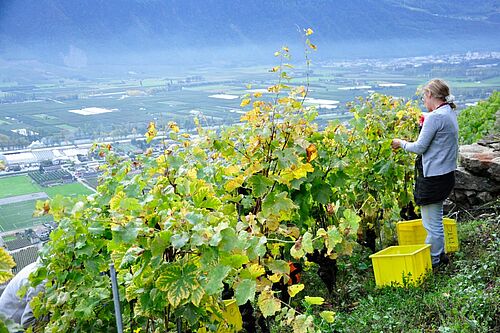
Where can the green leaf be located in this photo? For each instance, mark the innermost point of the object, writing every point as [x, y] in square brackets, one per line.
[286, 158]
[125, 233]
[235, 260]
[215, 277]
[278, 204]
[307, 243]
[179, 240]
[333, 238]
[131, 256]
[160, 242]
[279, 266]
[322, 193]
[245, 291]
[259, 184]
[257, 247]
[350, 221]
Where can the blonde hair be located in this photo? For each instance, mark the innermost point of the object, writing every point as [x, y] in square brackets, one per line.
[439, 89]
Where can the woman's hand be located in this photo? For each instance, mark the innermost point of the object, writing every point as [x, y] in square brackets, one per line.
[396, 144]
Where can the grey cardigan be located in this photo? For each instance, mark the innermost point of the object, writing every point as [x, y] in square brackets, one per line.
[437, 142]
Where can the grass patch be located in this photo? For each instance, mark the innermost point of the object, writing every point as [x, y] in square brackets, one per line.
[67, 190]
[19, 215]
[462, 297]
[44, 116]
[17, 185]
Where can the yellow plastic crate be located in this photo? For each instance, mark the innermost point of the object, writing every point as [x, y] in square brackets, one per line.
[413, 232]
[395, 262]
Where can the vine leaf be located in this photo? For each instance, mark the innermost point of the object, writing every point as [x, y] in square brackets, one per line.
[6, 263]
[245, 291]
[215, 277]
[180, 283]
[328, 316]
[295, 289]
[268, 304]
[278, 204]
[259, 185]
[314, 300]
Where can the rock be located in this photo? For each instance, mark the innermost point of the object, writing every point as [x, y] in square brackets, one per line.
[485, 196]
[473, 198]
[494, 169]
[465, 180]
[459, 198]
[477, 159]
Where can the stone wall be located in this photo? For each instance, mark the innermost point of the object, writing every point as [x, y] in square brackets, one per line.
[478, 174]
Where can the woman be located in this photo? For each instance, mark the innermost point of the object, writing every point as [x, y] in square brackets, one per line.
[437, 149]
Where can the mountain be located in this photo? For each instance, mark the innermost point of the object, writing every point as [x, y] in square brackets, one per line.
[47, 27]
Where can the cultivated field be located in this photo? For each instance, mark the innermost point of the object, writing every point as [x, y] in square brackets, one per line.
[17, 185]
[19, 215]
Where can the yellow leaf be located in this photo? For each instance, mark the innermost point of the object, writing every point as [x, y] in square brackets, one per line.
[314, 300]
[192, 173]
[263, 283]
[295, 289]
[312, 46]
[283, 100]
[173, 126]
[6, 264]
[272, 224]
[251, 116]
[275, 69]
[297, 251]
[328, 316]
[312, 152]
[257, 94]
[245, 102]
[275, 277]
[285, 49]
[161, 159]
[274, 89]
[268, 304]
[231, 170]
[234, 183]
[309, 31]
[277, 54]
[256, 270]
[297, 172]
[151, 133]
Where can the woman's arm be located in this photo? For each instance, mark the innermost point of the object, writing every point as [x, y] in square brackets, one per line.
[424, 140]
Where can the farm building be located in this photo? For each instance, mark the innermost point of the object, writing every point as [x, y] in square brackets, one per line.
[22, 158]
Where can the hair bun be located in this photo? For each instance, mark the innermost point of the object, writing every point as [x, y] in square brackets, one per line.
[450, 98]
